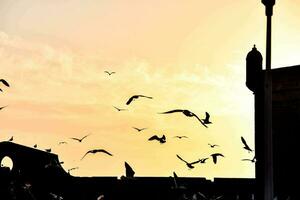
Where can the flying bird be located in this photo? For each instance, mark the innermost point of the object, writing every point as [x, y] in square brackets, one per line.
[251, 160]
[62, 143]
[215, 156]
[160, 139]
[4, 82]
[190, 165]
[186, 113]
[119, 109]
[80, 139]
[139, 129]
[97, 151]
[2, 107]
[129, 171]
[180, 136]
[136, 97]
[109, 73]
[213, 145]
[206, 120]
[246, 145]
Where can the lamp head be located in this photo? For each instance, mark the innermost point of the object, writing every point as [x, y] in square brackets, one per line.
[269, 6]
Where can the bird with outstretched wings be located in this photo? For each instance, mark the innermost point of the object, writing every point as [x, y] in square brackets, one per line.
[109, 73]
[97, 151]
[79, 139]
[186, 113]
[188, 164]
[136, 97]
[215, 157]
[160, 139]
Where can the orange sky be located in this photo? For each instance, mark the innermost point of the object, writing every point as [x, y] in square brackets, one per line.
[186, 55]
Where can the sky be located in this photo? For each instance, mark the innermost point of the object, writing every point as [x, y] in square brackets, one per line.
[184, 54]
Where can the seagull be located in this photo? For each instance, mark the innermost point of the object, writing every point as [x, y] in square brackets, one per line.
[180, 136]
[251, 160]
[4, 82]
[246, 145]
[139, 129]
[206, 120]
[62, 143]
[161, 140]
[11, 139]
[119, 109]
[203, 160]
[213, 145]
[97, 151]
[186, 113]
[136, 97]
[71, 169]
[129, 171]
[2, 107]
[215, 155]
[80, 140]
[190, 165]
[109, 73]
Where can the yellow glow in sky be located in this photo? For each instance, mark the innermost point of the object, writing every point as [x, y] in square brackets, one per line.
[186, 55]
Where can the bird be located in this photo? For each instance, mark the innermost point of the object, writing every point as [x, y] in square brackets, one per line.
[62, 143]
[35, 146]
[206, 120]
[119, 109]
[136, 97]
[203, 160]
[160, 139]
[4, 82]
[48, 150]
[2, 107]
[109, 73]
[180, 136]
[97, 151]
[139, 129]
[213, 145]
[190, 165]
[251, 160]
[11, 139]
[215, 156]
[246, 145]
[71, 169]
[129, 173]
[186, 113]
[80, 140]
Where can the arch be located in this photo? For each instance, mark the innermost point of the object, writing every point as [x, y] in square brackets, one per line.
[6, 161]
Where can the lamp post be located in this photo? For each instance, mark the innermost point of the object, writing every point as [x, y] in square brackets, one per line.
[268, 137]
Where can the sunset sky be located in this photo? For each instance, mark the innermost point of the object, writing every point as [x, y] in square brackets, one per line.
[184, 54]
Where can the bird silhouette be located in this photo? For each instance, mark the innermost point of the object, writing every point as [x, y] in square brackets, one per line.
[109, 73]
[251, 160]
[136, 97]
[63, 142]
[80, 139]
[215, 156]
[97, 151]
[203, 160]
[160, 139]
[119, 109]
[206, 120]
[35, 146]
[129, 173]
[71, 169]
[4, 82]
[11, 139]
[186, 113]
[246, 145]
[139, 129]
[180, 136]
[2, 107]
[213, 145]
[190, 165]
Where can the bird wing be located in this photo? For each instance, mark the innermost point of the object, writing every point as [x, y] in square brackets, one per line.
[129, 170]
[102, 151]
[172, 111]
[84, 136]
[163, 137]
[130, 100]
[154, 137]
[200, 120]
[244, 142]
[181, 158]
[246, 160]
[214, 158]
[195, 162]
[207, 116]
[75, 138]
[145, 96]
[107, 72]
[90, 151]
[4, 82]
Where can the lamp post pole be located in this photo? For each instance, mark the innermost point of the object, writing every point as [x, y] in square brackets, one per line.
[268, 137]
